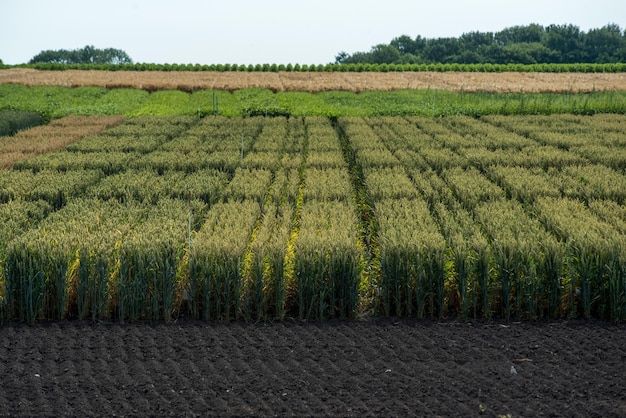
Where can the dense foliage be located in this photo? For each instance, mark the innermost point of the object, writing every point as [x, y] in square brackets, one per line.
[12, 121]
[86, 55]
[530, 44]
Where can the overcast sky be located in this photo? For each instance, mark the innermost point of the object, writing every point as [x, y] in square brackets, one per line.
[268, 31]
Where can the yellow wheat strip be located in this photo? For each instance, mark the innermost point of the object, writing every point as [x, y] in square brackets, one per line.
[52, 137]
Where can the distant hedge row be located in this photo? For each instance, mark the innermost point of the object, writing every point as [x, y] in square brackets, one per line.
[361, 67]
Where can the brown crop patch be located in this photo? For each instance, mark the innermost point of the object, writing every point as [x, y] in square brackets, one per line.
[52, 137]
[507, 82]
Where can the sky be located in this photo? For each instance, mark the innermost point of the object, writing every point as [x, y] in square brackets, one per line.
[268, 31]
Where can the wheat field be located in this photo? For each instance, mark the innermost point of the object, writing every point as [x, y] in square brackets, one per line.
[506, 82]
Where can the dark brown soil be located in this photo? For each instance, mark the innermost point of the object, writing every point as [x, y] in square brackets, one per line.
[380, 367]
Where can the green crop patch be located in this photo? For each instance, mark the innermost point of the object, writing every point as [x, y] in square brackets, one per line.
[12, 121]
[55, 102]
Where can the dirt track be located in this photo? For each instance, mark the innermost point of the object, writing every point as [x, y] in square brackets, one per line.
[322, 81]
[360, 368]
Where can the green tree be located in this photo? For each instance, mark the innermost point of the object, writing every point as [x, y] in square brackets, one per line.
[520, 34]
[442, 49]
[567, 40]
[411, 59]
[515, 45]
[385, 54]
[474, 40]
[528, 53]
[603, 45]
[341, 57]
[358, 58]
[405, 45]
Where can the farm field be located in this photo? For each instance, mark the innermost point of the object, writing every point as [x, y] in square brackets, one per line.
[454, 248]
[517, 217]
[505, 82]
[53, 102]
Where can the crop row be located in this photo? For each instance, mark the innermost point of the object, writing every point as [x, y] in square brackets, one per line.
[54, 102]
[257, 218]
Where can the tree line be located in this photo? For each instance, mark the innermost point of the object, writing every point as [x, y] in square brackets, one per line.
[87, 55]
[529, 44]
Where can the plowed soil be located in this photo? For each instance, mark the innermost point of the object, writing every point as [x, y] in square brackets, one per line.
[506, 82]
[380, 367]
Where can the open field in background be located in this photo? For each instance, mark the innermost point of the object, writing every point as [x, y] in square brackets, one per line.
[506, 82]
[318, 217]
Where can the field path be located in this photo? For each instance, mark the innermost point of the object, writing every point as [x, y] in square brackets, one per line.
[360, 368]
[513, 82]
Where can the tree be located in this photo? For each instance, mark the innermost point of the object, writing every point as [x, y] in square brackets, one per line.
[384, 54]
[520, 34]
[358, 58]
[567, 40]
[442, 49]
[410, 59]
[474, 40]
[341, 57]
[116, 56]
[604, 44]
[515, 45]
[87, 55]
[528, 53]
[405, 45]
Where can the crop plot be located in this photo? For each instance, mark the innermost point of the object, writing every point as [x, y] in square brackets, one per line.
[52, 137]
[359, 81]
[316, 217]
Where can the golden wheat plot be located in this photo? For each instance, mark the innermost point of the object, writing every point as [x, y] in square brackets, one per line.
[62, 267]
[412, 258]
[328, 260]
[507, 82]
[528, 259]
[216, 258]
[52, 137]
[596, 250]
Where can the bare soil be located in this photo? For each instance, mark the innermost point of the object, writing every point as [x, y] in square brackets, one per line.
[507, 82]
[377, 367]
